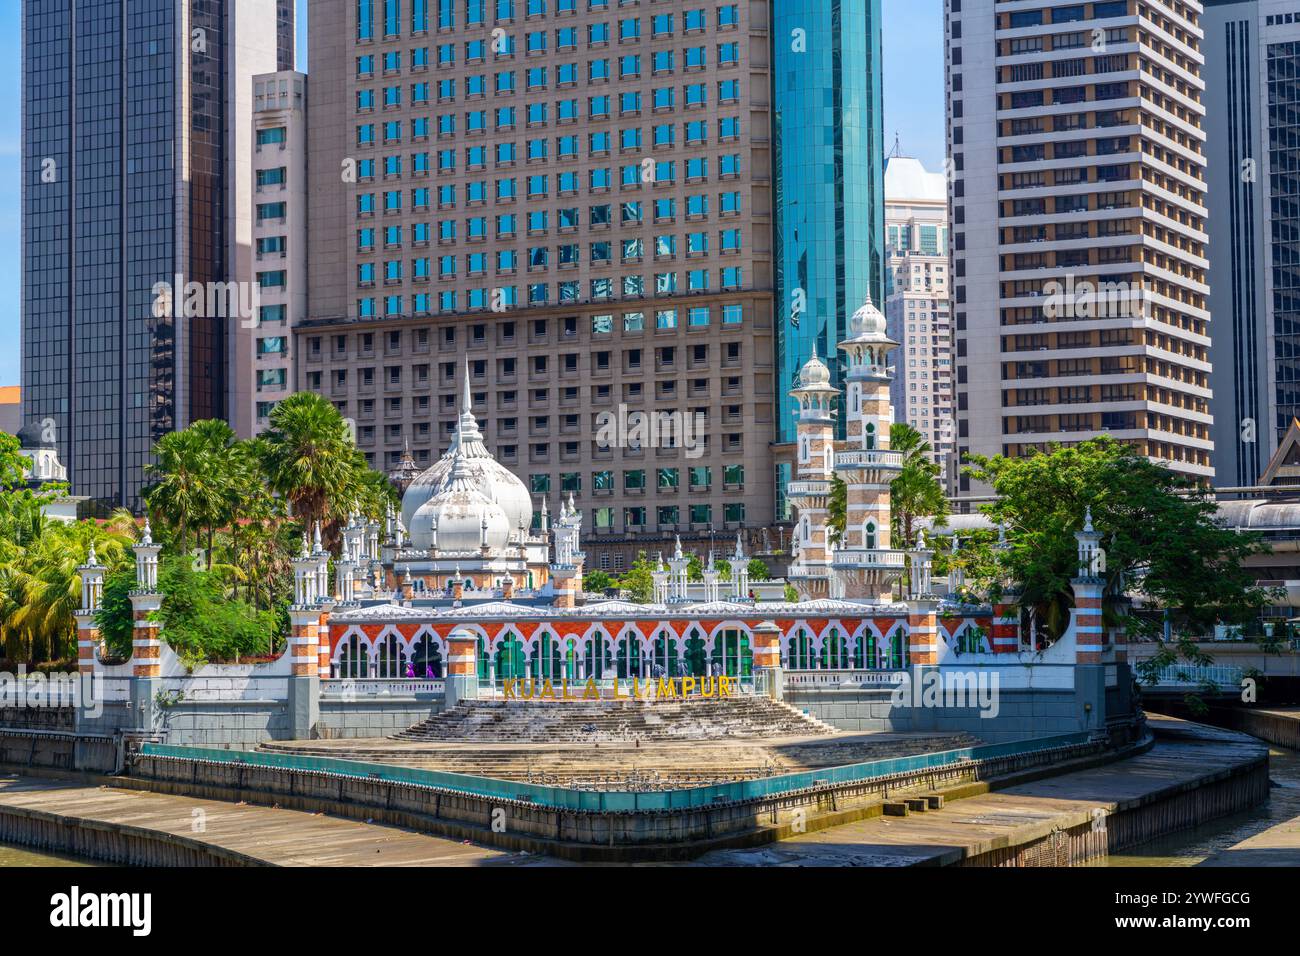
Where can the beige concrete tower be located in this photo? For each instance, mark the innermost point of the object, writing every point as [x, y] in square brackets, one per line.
[864, 565]
[809, 494]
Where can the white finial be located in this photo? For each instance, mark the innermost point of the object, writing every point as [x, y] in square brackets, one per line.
[315, 538]
[305, 551]
[920, 540]
[147, 538]
[740, 551]
[91, 560]
[677, 552]
[1087, 518]
[466, 401]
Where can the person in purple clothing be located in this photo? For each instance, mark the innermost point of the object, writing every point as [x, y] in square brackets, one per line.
[410, 669]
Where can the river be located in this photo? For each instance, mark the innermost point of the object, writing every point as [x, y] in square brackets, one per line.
[1189, 847]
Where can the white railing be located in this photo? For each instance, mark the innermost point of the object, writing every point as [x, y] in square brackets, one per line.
[891, 460]
[843, 678]
[1196, 675]
[809, 488]
[347, 687]
[890, 560]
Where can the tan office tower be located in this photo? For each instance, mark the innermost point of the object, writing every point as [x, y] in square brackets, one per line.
[278, 252]
[575, 197]
[917, 303]
[1076, 132]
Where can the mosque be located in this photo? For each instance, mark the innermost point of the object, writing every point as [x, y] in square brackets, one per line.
[462, 554]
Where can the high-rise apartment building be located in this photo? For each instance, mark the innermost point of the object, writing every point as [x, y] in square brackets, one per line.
[1252, 76]
[569, 199]
[135, 172]
[577, 197]
[1080, 293]
[264, 367]
[917, 306]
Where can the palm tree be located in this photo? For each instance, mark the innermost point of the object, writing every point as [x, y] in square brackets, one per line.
[187, 488]
[915, 492]
[308, 457]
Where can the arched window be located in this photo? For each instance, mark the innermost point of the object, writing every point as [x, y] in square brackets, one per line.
[869, 535]
[870, 434]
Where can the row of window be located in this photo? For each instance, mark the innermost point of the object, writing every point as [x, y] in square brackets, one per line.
[634, 518]
[474, 13]
[501, 298]
[505, 118]
[537, 78]
[537, 221]
[538, 150]
[699, 477]
[539, 257]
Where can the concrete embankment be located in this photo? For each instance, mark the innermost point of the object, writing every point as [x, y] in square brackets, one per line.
[1033, 813]
[136, 828]
[1191, 775]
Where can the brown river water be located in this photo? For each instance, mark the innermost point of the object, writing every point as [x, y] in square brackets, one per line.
[1186, 848]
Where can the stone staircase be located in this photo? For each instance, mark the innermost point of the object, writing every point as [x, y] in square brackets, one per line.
[605, 721]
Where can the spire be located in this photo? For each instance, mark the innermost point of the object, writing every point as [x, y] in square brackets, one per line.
[91, 560]
[466, 425]
[305, 546]
[677, 552]
[466, 400]
[147, 538]
[315, 539]
[1087, 518]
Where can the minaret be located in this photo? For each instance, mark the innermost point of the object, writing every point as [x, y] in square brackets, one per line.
[739, 572]
[810, 492]
[866, 565]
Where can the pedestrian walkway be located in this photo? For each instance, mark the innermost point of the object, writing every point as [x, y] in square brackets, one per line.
[274, 836]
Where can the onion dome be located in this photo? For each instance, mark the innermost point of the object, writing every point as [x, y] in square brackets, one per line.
[474, 469]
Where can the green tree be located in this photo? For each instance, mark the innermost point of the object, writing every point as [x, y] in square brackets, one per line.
[1159, 533]
[915, 492]
[637, 580]
[837, 510]
[758, 570]
[596, 581]
[694, 568]
[186, 488]
[309, 458]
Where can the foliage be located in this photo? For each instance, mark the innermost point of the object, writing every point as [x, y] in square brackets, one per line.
[694, 568]
[915, 493]
[837, 510]
[1158, 529]
[637, 580]
[308, 457]
[758, 570]
[791, 595]
[200, 621]
[596, 581]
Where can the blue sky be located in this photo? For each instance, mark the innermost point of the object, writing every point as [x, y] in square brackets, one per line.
[913, 37]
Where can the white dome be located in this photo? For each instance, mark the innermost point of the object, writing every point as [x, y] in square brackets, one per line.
[814, 372]
[458, 519]
[867, 321]
[469, 466]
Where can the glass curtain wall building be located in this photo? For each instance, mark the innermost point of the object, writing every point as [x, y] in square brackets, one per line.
[829, 182]
[127, 180]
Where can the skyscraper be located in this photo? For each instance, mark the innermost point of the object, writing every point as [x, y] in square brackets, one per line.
[917, 304]
[829, 198]
[576, 197]
[579, 196]
[135, 128]
[1079, 227]
[1252, 75]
